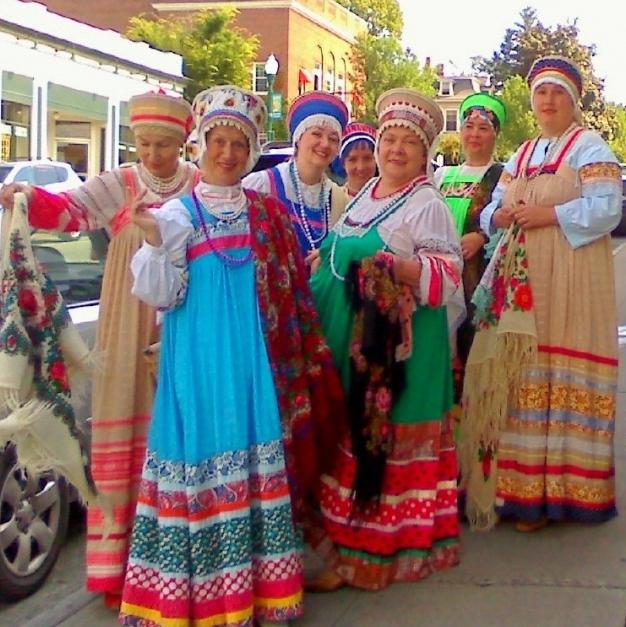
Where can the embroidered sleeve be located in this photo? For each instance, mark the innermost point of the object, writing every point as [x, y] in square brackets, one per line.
[161, 273]
[436, 247]
[86, 208]
[599, 209]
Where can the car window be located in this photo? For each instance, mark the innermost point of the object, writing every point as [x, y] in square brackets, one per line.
[61, 173]
[74, 261]
[4, 171]
[25, 175]
[45, 174]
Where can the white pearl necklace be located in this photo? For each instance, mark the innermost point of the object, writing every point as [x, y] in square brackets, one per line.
[323, 207]
[161, 186]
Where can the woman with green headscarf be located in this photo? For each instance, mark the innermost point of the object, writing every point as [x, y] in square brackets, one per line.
[467, 188]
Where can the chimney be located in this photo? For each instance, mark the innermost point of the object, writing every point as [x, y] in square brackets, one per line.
[427, 63]
[439, 69]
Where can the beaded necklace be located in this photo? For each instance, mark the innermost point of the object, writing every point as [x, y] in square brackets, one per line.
[222, 220]
[348, 227]
[163, 186]
[323, 207]
[551, 150]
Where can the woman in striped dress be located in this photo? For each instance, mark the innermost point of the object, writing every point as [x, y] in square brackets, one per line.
[123, 389]
[541, 377]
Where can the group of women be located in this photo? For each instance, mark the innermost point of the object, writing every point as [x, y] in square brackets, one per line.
[305, 387]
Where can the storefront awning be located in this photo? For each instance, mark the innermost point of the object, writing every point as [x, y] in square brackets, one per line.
[304, 77]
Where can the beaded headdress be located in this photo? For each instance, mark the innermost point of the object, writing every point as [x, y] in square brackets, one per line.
[557, 70]
[412, 110]
[228, 105]
[161, 113]
[356, 132]
[486, 106]
[316, 108]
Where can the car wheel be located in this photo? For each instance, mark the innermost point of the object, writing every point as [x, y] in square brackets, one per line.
[34, 514]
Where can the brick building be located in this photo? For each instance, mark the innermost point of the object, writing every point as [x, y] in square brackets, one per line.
[310, 38]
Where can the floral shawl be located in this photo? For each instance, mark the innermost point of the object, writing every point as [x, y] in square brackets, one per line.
[310, 396]
[505, 341]
[38, 347]
[381, 341]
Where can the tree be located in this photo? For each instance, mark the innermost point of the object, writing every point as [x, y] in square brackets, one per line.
[383, 17]
[380, 63]
[530, 39]
[450, 147]
[214, 51]
[520, 121]
[618, 143]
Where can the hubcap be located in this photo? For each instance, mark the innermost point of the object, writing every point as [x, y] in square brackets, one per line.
[29, 519]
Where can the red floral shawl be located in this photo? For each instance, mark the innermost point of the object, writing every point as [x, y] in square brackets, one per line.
[308, 387]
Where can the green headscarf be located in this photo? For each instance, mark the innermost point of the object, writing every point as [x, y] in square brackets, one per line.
[489, 107]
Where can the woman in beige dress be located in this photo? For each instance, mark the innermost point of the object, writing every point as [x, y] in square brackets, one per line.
[123, 389]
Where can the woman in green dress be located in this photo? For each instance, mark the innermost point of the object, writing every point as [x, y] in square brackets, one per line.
[387, 273]
[467, 189]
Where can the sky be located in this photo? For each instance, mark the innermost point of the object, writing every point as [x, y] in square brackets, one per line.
[453, 31]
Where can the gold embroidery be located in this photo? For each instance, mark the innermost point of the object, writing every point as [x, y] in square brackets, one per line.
[604, 170]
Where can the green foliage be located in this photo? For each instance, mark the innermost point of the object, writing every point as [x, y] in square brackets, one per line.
[520, 121]
[618, 143]
[530, 39]
[380, 63]
[214, 51]
[450, 147]
[383, 17]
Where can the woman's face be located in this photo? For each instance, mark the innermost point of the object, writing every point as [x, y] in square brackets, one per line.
[360, 166]
[318, 146]
[226, 156]
[159, 153]
[553, 107]
[401, 155]
[478, 139]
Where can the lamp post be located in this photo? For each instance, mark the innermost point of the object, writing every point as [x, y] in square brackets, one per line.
[271, 69]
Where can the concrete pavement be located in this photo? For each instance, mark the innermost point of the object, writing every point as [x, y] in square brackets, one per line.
[566, 575]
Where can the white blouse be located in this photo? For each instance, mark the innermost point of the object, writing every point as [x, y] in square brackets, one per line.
[160, 272]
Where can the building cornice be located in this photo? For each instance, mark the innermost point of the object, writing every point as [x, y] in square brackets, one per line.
[60, 45]
[293, 5]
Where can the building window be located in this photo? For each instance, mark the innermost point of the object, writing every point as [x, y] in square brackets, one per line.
[317, 77]
[451, 120]
[341, 87]
[14, 131]
[445, 88]
[259, 79]
[128, 152]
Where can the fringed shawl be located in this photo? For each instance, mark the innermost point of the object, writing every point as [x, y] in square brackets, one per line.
[43, 362]
[505, 341]
[308, 387]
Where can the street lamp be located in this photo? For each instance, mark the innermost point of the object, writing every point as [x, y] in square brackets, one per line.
[271, 69]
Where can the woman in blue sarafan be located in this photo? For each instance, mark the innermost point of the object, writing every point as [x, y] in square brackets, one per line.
[244, 375]
[316, 123]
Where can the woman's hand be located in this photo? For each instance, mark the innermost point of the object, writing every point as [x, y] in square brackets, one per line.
[313, 261]
[145, 220]
[471, 243]
[503, 217]
[7, 193]
[535, 217]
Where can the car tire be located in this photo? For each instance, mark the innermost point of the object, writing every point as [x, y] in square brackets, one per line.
[34, 516]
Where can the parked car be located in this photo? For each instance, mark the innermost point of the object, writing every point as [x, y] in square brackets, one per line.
[34, 509]
[55, 176]
[272, 154]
